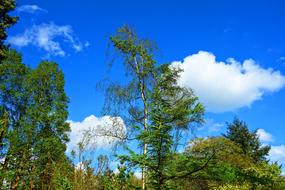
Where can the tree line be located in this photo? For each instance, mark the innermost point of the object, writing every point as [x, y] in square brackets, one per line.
[157, 112]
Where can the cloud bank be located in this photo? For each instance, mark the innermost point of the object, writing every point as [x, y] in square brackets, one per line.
[227, 86]
[96, 132]
[48, 38]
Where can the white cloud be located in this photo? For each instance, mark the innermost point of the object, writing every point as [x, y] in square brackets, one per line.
[277, 154]
[264, 136]
[47, 36]
[30, 9]
[102, 132]
[226, 86]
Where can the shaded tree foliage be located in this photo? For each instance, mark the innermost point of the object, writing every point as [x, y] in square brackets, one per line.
[130, 101]
[34, 134]
[6, 21]
[172, 107]
[230, 167]
[239, 133]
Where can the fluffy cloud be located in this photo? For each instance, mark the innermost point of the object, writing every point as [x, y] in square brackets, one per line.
[47, 36]
[226, 86]
[277, 154]
[96, 132]
[30, 9]
[264, 136]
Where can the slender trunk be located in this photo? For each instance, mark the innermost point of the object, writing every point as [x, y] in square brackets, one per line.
[15, 184]
[32, 182]
[4, 128]
[143, 97]
[143, 171]
[145, 128]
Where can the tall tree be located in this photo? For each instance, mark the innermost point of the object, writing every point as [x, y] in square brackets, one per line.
[47, 116]
[36, 137]
[13, 102]
[239, 133]
[155, 105]
[171, 107]
[6, 95]
[133, 97]
[6, 21]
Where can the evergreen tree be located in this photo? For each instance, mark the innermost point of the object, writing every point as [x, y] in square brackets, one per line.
[6, 21]
[172, 107]
[239, 133]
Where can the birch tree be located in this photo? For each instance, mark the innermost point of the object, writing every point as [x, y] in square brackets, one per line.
[130, 101]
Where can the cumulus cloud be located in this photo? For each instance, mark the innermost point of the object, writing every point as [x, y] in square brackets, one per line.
[47, 37]
[264, 136]
[226, 86]
[30, 9]
[277, 154]
[96, 132]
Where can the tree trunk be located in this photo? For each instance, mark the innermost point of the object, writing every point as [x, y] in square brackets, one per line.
[15, 184]
[143, 97]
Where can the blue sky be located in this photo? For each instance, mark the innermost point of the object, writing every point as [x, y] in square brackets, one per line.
[75, 35]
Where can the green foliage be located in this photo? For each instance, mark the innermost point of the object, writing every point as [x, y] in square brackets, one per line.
[239, 133]
[230, 168]
[6, 21]
[131, 101]
[166, 108]
[35, 108]
[171, 107]
[46, 122]
[12, 106]
[62, 175]
[33, 130]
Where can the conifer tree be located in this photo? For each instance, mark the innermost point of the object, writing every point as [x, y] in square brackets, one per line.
[172, 107]
[239, 133]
